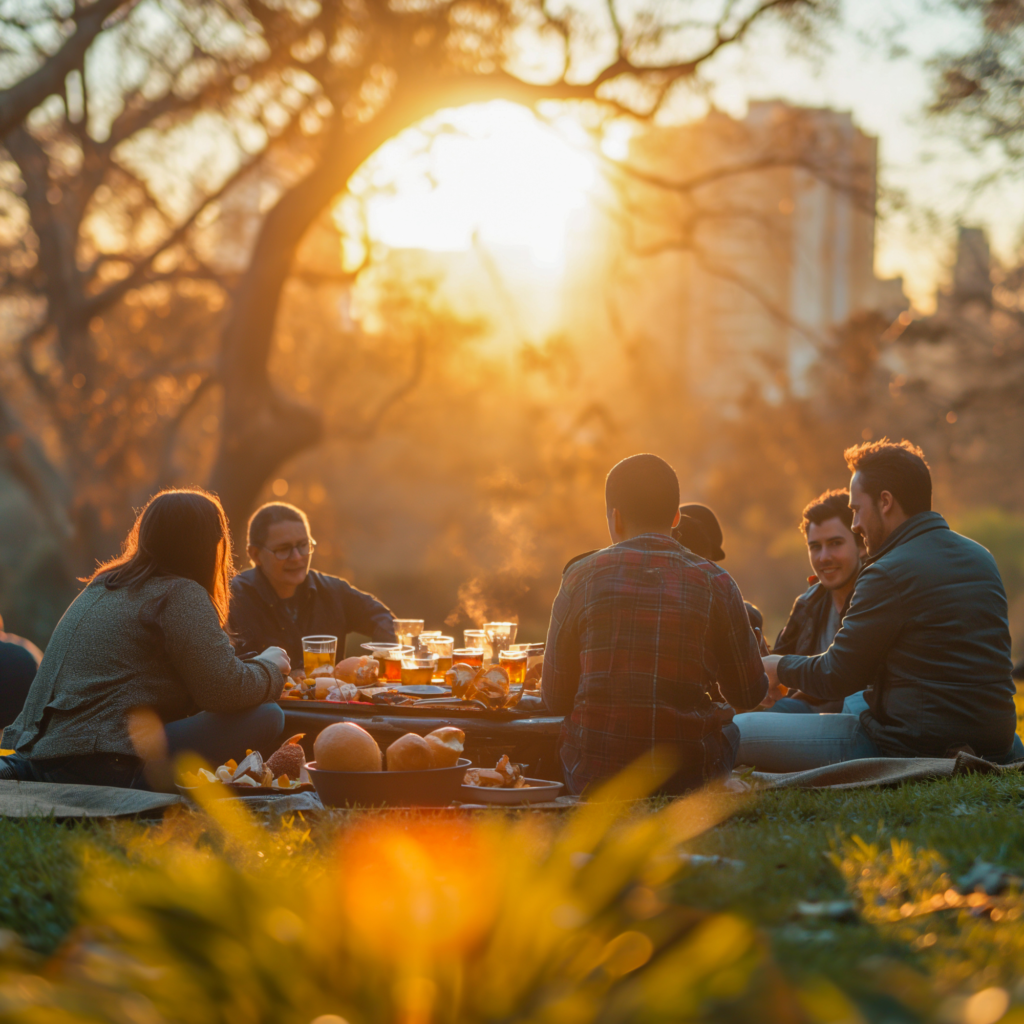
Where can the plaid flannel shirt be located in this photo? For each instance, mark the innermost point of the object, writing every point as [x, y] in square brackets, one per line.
[642, 634]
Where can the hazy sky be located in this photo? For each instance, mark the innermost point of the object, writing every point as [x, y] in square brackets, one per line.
[887, 95]
[516, 184]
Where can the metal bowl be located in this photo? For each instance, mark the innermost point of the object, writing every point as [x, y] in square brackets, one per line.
[435, 787]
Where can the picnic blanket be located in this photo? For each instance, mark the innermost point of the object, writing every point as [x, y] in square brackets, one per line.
[57, 800]
[65, 801]
[882, 771]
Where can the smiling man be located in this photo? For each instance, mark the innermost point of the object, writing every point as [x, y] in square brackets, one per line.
[283, 598]
[835, 552]
[926, 629]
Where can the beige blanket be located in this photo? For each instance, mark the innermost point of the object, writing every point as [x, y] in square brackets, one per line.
[881, 771]
[50, 799]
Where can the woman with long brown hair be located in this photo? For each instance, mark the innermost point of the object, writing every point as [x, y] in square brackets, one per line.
[145, 640]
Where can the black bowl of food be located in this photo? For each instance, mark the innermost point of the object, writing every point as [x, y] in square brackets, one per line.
[431, 787]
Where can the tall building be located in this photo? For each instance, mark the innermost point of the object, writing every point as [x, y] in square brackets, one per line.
[741, 247]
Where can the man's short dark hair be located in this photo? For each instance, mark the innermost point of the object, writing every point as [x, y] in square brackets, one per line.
[267, 516]
[899, 469]
[834, 504]
[645, 490]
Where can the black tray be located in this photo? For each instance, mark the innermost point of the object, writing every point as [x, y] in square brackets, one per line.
[435, 787]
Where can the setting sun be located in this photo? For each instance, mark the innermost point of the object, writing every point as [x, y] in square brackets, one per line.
[493, 171]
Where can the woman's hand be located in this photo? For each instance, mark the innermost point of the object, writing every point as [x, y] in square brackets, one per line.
[279, 657]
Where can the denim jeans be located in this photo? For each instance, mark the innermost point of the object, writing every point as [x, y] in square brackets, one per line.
[792, 706]
[795, 743]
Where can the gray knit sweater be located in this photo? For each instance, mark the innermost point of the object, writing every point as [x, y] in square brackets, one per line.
[104, 659]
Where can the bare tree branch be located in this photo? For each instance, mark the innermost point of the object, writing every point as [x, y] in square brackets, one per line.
[17, 102]
[370, 425]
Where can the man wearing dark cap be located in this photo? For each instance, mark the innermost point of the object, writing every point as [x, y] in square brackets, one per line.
[640, 634]
[699, 530]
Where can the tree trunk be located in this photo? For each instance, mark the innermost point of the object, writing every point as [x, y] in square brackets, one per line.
[261, 428]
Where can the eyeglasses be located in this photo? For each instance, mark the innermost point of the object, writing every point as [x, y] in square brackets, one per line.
[302, 549]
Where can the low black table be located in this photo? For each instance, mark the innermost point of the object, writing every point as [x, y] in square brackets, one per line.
[527, 739]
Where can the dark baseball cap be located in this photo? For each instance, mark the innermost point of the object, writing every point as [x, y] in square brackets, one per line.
[699, 530]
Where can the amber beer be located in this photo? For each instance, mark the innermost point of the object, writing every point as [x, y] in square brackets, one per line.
[442, 646]
[418, 671]
[514, 663]
[318, 651]
[473, 656]
[392, 666]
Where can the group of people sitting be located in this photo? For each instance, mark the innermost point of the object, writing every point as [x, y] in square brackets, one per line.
[900, 648]
[166, 651]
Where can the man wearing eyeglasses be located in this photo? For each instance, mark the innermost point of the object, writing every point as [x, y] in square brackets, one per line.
[280, 600]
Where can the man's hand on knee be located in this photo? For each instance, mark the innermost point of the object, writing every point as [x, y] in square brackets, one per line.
[775, 688]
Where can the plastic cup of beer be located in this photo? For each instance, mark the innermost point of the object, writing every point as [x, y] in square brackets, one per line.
[442, 646]
[393, 658]
[420, 642]
[318, 651]
[418, 669]
[534, 652]
[500, 635]
[406, 630]
[378, 650]
[474, 638]
[472, 656]
[514, 663]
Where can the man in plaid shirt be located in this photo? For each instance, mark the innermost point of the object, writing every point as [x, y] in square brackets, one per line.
[645, 638]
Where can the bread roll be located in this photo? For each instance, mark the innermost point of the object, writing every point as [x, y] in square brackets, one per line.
[490, 686]
[484, 777]
[458, 677]
[346, 747]
[446, 745]
[409, 753]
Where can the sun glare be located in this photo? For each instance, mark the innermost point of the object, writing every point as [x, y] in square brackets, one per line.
[492, 171]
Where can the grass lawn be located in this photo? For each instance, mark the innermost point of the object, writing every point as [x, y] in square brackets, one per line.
[833, 910]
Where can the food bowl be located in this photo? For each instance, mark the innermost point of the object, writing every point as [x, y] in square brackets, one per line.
[534, 792]
[434, 787]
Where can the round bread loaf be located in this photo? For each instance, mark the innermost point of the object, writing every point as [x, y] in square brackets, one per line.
[446, 745]
[346, 747]
[409, 753]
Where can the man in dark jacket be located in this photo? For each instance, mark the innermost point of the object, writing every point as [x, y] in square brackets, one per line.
[280, 600]
[835, 552]
[927, 626]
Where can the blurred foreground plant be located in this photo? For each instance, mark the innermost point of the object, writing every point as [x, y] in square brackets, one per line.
[970, 941]
[414, 919]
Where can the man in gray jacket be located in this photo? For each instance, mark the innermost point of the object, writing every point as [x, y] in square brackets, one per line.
[927, 630]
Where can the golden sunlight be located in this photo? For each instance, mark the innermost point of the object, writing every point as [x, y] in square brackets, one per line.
[492, 171]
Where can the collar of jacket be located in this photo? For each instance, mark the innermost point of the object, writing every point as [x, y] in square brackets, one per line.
[915, 526]
[303, 591]
[650, 541]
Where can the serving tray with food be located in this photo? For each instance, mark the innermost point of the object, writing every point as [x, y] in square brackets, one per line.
[283, 772]
[333, 683]
[506, 783]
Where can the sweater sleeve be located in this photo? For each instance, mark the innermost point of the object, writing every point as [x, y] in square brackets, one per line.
[204, 659]
[872, 623]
